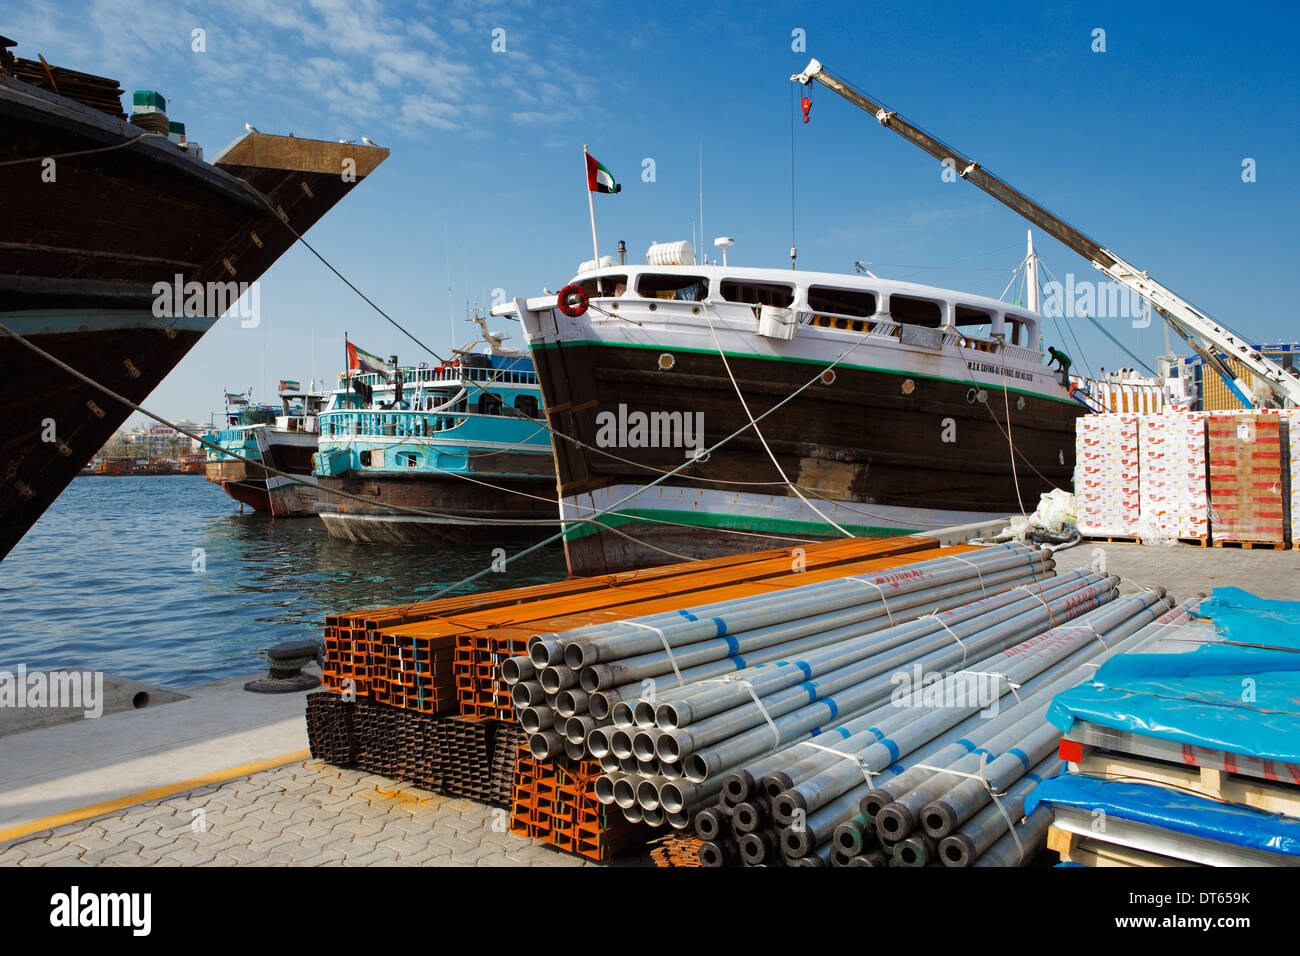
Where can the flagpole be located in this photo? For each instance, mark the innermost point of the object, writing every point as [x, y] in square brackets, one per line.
[591, 207]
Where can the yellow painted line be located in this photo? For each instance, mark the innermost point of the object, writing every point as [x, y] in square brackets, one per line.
[166, 790]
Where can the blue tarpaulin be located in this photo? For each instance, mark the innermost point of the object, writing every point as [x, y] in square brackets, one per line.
[1171, 810]
[1223, 696]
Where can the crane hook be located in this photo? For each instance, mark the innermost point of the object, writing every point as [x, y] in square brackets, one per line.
[806, 103]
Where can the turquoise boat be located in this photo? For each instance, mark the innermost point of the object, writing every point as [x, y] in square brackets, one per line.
[452, 453]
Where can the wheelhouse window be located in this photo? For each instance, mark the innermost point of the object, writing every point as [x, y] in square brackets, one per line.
[526, 405]
[775, 294]
[680, 288]
[910, 311]
[489, 403]
[974, 323]
[1018, 330]
[613, 285]
[856, 302]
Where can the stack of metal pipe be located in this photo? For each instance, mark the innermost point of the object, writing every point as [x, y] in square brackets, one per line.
[765, 722]
[916, 786]
[570, 685]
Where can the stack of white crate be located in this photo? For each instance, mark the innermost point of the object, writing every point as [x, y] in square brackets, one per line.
[1173, 501]
[1106, 483]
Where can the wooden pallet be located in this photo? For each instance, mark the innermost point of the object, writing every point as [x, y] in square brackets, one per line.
[1092, 852]
[1250, 545]
[1217, 784]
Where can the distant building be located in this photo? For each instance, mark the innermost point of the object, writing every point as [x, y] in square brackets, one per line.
[1214, 395]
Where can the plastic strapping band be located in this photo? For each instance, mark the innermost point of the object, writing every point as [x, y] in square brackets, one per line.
[994, 795]
[1038, 597]
[1084, 627]
[736, 679]
[1010, 683]
[852, 758]
[960, 643]
[883, 602]
[667, 648]
[978, 575]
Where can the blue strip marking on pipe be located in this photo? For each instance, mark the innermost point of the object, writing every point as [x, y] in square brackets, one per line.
[816, 731]
[721, 626]
[1021, 756]
[741, 662]
[688, 615]
[835, 711]
[810, 688]
[843, 733]
[733, 646]
[877, 731]
[967, 744]
[893, 749]
[807, 671]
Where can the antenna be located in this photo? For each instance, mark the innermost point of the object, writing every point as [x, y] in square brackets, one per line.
[451, 328]
[724, 243]
[702, 232]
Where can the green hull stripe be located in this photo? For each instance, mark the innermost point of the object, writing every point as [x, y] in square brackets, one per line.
[736, 522]
[803, 361]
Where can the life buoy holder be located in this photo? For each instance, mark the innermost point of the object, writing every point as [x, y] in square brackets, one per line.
[572, 300]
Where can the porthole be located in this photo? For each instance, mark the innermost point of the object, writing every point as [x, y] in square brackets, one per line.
[909, 386]
[666, 360]
[828, 377]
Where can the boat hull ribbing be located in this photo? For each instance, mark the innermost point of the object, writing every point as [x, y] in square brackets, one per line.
[881, 450]
[454, 509]
[85, 243]
[290, 452]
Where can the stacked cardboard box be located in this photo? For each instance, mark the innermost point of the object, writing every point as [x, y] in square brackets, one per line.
[1106, 475]
[1245, 459]
[1173, 500]
[1292, 421]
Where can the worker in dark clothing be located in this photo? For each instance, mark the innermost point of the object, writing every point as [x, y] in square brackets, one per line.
[1063, 361]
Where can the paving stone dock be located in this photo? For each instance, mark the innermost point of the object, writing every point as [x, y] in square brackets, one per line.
[302, 814]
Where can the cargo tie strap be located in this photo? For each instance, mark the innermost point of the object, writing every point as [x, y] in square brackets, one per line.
[934, 616]
[978, 575]
[1084, 628]
[883, 602]
[667, 647]
[736, 679]
[1015, 688]
[1040, 599]
[994, 795]
[867, 773]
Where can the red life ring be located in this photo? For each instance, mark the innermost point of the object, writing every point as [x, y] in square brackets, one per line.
[572, 300]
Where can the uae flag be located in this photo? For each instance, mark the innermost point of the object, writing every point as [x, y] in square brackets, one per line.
[600, 179]
[359, 360]
[287, 385]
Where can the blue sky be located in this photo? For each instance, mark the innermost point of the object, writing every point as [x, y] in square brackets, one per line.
[1140, 146]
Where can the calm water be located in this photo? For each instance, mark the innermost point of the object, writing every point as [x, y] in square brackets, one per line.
[106, 580]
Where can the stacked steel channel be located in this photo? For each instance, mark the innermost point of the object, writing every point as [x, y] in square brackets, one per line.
[331, 734]
[480, 691]
[505, 759]
[413, 671]
[465, 745]
[555, 802]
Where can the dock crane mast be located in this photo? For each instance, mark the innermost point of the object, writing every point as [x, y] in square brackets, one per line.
[1208, 338]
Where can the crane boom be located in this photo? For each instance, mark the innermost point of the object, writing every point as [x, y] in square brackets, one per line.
[1189, 322]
